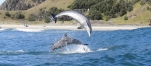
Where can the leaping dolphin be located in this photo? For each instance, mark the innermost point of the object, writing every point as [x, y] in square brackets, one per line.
[64, 41]
[83, 20]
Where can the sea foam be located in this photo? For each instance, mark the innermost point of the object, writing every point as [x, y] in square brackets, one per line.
[2, 29]
[102, 49]
[29, 30]
[11, 52]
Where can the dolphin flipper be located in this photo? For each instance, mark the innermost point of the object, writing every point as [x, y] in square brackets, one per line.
[53, 18]
[80, 27]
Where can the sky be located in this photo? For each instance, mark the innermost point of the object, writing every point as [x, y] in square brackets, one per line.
[1, 1]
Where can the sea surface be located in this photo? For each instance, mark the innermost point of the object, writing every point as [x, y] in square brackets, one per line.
[31, 47]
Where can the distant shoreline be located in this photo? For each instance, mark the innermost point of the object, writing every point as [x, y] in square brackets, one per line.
[70, 27]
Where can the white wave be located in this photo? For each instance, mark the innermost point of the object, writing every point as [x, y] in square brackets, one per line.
[2, 29]
[11, 52]
[29, 30]
[76, 49]
[102, 49]
[19, 51]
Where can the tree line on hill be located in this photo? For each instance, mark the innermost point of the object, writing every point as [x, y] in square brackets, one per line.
[104, 8]
[19, 4]
[17, 15]
[98, 10]
[42, 15]
[45, 15]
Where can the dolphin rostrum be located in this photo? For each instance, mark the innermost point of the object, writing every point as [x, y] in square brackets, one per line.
[64, 41]
[83, 20]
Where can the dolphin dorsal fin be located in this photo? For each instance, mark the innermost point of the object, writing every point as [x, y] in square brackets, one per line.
[65, 35]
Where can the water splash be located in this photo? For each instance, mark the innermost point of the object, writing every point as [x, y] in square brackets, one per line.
[70, 49]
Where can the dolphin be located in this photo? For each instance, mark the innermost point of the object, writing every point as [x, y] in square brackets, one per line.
[83, 20]
[64, 41]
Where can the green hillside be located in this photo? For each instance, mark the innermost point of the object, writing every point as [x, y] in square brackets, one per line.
[46, 5]
[135, 12]
[140, 15]
[51, 3]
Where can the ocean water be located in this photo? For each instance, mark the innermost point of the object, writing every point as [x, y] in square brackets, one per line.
[31, 47]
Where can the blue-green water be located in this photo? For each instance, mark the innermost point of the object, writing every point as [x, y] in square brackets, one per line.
[108, 48]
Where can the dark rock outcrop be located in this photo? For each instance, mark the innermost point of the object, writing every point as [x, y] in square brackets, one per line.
[19, 4]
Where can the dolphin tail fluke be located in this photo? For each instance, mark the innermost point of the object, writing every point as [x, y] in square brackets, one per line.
[53, 18]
